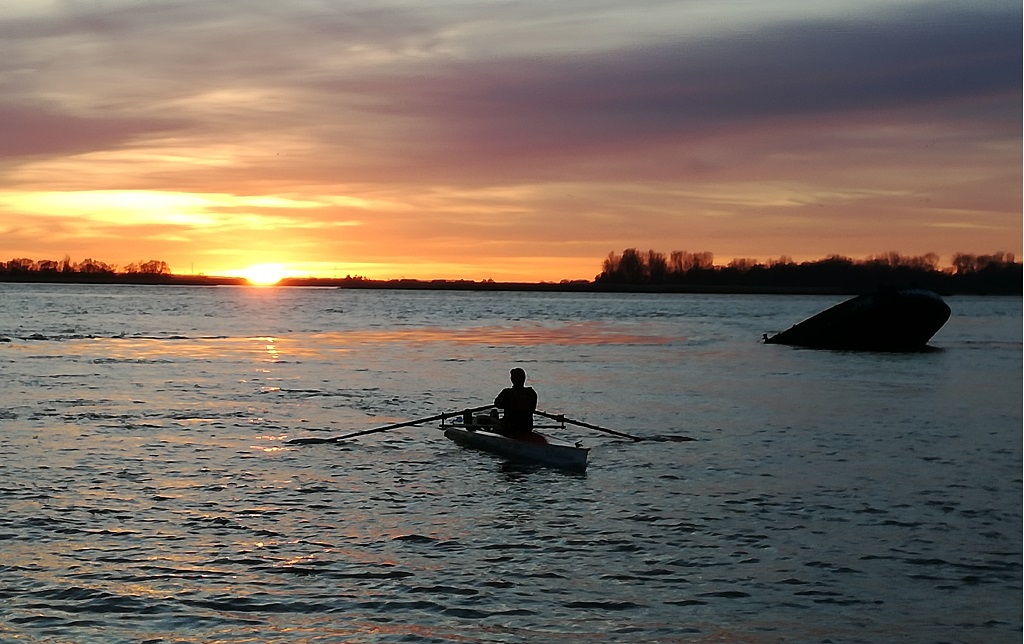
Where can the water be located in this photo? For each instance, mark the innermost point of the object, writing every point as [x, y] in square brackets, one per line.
[149, 495]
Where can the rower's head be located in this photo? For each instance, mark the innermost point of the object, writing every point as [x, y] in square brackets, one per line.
[517, 376]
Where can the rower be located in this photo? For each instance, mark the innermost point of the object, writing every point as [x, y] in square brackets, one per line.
[518, 402]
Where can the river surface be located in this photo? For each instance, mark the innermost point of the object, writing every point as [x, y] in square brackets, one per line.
[148, 493]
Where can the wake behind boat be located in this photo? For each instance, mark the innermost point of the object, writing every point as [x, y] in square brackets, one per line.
[534, 447]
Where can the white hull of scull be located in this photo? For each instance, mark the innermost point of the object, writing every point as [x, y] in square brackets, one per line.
[546, 451]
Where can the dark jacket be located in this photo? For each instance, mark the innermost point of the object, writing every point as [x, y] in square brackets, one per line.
[519, 403]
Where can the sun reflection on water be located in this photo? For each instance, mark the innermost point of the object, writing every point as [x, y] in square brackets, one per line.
[271, 349]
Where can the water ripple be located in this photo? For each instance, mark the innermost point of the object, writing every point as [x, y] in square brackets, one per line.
[148, 495]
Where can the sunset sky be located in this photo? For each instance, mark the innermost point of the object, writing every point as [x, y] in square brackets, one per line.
[512, 140]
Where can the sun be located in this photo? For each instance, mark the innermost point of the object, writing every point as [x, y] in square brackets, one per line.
[263, 274]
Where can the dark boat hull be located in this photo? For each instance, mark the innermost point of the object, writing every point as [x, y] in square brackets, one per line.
[889, 320]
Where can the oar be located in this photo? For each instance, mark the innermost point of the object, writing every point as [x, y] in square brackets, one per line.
[418, 421]
[562, 419]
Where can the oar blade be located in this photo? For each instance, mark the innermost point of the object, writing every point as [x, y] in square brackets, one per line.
[308, 441]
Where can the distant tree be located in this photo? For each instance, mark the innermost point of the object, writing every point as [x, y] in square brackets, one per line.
[632, 268]
[652, 267]
[657, 267]
[92, 266]
[966, 263]
[703, 260]
[998, 259]
[154, 267]
[890, 258]
[926, 262]
[677, 262]
[21, 264]
[743, 264]
[611, 265]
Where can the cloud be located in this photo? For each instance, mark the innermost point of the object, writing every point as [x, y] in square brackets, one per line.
[508, 125]
[552, 110]
[398, 86]
[37, 130]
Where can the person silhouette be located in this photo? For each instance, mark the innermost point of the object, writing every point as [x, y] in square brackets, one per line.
[518, 402]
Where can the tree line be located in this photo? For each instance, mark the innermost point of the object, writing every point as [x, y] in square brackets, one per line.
[91, 271]
[968, 273]
[997, 273]
[86, 266]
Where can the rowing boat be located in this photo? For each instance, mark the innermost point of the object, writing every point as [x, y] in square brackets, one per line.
[532, 448]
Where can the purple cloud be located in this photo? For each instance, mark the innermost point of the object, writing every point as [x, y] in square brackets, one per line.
[30, 131]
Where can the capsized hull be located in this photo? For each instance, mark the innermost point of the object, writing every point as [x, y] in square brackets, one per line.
[541, 449]
[889, 320]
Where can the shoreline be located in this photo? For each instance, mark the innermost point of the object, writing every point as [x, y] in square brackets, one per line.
[575, 286]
